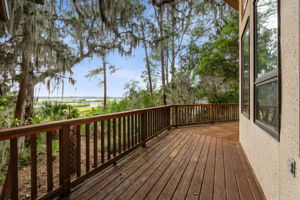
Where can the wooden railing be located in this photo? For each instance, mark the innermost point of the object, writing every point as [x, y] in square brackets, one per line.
[88, 145]
[204, 113]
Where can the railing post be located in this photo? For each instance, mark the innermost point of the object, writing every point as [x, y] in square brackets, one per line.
[176, 117]
[64, 159]
[144, 128]
[169, 115]
[211, 114]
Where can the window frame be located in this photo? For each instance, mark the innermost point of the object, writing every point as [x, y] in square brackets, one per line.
[274, 75]
[247, 27]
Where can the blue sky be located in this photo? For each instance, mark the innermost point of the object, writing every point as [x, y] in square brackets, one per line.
[130, 69]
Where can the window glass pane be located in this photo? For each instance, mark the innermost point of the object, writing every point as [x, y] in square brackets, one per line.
[266, 36]
[245, 72]
[267, 105]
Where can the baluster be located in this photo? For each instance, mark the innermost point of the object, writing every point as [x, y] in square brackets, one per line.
[132, 130]
[144, 129]
[140, 128]
[124, 134]
[182, 115]
[163, 118]
[33, 154]
[78, 151]
[14, 168]
[156, 121]
[159, 119]
[108, 140]
[95, 144]
[136, 129]
[166, 118]
[176, 116]
[211, 113]
[169, 117]
[87, 147]
[150, 118]
[49, 136]
[102, 142]
[64, 159]
[119, 135]
[189, 114]
[114, 138]
[128, 132]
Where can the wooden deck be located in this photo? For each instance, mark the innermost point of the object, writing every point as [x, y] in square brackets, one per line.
[200, 162]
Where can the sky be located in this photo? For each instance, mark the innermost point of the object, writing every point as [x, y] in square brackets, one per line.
[130, 68]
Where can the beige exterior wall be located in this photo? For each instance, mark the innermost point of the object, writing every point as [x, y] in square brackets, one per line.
[267, 156]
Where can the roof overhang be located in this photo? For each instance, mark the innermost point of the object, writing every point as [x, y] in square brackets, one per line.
[233, 3]
[4, 11]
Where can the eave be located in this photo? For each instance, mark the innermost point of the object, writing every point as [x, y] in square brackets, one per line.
[233, 3]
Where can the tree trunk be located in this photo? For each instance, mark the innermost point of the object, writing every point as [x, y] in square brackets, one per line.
[163, 87]
[173, 43]
[104, 83]
[167, 66]
[29, 111]
[147, 63]
[22, 94]
[19, 114]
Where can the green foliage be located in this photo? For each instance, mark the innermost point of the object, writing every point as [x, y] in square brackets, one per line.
[55, 111]
[24, 159]
[7, 104]
[218, 70]
[55, 146]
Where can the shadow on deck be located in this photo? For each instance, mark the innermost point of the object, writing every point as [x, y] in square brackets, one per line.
[199, 162]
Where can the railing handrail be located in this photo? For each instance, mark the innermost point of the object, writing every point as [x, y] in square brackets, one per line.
[210, 104]
[10, 133]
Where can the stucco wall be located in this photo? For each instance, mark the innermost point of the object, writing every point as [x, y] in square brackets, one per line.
[267, 156]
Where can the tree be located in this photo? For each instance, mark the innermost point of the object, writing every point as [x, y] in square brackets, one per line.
[32, 51]
[103, 70]
[218, 63]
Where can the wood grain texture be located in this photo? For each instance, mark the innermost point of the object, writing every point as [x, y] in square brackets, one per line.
[189, 163]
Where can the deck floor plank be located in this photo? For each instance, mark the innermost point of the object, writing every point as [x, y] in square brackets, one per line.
[232, 191]
[162, 179]
[96, 186]
[242, 182]
[117, 169]
[219, 182]
[122, 182]
[207, 188]
[180, 153]
[200, 162]
[183, 186]
[196, 183]
[256, 190]
[170, 188]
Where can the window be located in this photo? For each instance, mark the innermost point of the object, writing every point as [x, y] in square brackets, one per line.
[267, 90]
[245, 86]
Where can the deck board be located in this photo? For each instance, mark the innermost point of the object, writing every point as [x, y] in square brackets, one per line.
[200, 162]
